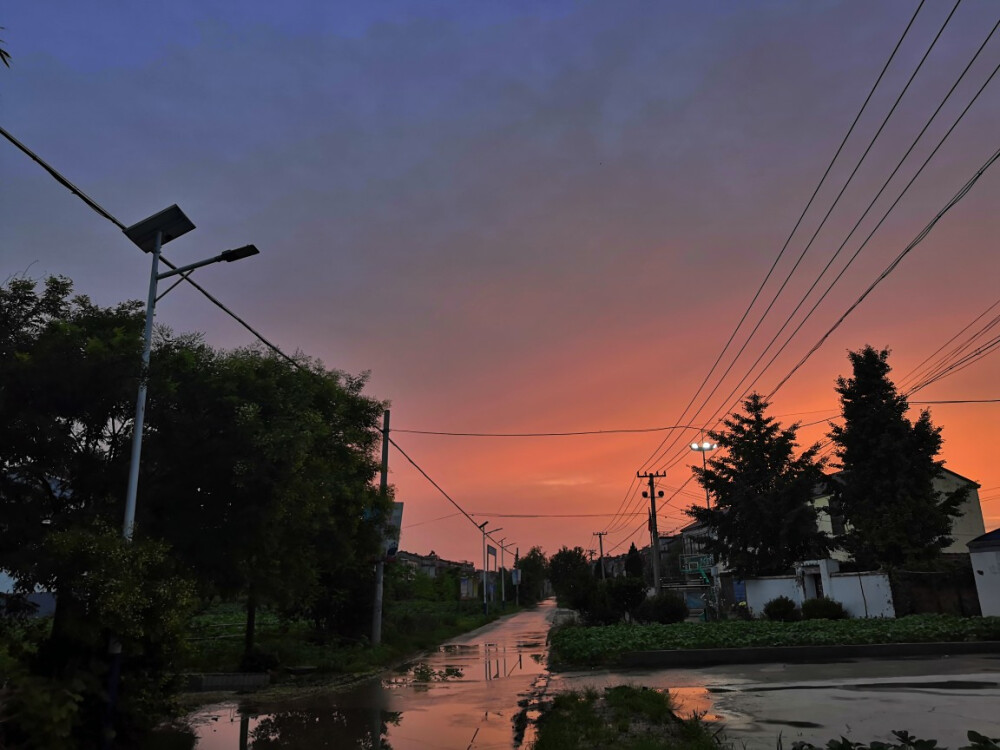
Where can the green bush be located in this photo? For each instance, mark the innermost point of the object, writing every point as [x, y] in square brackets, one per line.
[823, 609]
[781, 609]
[665, 608]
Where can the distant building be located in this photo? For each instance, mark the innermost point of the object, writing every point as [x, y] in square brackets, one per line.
[432, 565]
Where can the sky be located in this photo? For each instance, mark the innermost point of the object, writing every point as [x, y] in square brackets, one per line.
[525, 217]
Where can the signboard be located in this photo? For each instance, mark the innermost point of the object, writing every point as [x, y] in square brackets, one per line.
[694, 563]
[390, 536]
[491, 550]
[515, 577]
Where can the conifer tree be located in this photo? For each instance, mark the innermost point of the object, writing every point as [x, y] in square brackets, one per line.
[762, 521]
[894, 516]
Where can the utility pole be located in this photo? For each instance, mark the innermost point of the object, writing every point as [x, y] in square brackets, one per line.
[653, 533]
[503, 587]
[517, 588]
[600, 540]
[383, 488]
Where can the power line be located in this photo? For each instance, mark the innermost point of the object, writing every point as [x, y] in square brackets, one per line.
[774, 299]
[960, 401]
[788, 239]
[963, 191]
[185, 276]
[547, 434]
[858, 223]
[439, 489]
[546, 515]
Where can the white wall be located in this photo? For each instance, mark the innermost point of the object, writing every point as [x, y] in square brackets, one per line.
[762, 590]
[986, 568]
[867, 595]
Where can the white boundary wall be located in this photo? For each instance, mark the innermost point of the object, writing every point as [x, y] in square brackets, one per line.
[863, 595]
[986, 566]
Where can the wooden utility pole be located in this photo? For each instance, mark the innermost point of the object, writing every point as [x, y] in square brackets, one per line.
[383, 488]
[654, 535]
[600, 540]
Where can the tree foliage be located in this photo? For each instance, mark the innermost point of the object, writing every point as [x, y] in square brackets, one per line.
[762, 520]
[886, 491]
[634, 566]
[276, 461]
[571, 578]
[256, 482]
[534, 569]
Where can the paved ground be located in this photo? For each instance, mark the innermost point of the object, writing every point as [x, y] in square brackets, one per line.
[465, 696]
[865, 699]
[462, 696]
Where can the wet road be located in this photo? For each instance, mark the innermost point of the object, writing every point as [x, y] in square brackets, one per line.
[464, 695]
[864, 699]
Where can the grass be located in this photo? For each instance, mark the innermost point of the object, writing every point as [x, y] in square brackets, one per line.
[215, 638]
[587, 646]
[622, 717]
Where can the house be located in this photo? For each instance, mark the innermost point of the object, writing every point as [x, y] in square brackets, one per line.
[968, 525]
[985, 553]
[433, 566]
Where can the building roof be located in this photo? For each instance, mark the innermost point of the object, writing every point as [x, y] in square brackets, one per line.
[987, 542]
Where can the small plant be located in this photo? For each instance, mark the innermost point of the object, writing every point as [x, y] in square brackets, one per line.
[665, 608]
[782, 609]
[823, 609]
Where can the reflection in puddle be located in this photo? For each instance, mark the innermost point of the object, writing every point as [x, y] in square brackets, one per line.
[457, 696]
[334, 728]
[693, 701]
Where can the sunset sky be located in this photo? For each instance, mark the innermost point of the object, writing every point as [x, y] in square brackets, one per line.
[528, 217]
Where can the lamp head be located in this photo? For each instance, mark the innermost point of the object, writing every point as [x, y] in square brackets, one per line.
[239, 253]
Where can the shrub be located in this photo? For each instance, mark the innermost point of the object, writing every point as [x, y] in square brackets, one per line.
[781, 609]
[665, 608]
[823, 609]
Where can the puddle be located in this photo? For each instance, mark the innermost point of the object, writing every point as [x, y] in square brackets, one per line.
[460, 695]
[693, 701]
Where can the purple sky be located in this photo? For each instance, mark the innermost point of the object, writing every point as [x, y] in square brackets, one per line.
[519, 219]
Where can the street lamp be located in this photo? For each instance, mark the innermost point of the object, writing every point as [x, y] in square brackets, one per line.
[482, 528]
[704, 447]
[150, 235]
[503, 587]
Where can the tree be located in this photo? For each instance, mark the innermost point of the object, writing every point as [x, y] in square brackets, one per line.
[256, 480]
[633, 562]
[68, 378]
[275, 500]
[763, 520]
[534, 570]
[571, 578]
[886, 492]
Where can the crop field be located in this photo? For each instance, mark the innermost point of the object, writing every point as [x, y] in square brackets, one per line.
[587, 646]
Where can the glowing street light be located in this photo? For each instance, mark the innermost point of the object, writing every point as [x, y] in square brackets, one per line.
[704, 447]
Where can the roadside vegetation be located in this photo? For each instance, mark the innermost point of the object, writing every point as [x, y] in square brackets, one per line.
[586, 646]
[622, 717]
[418, 613]
[257, 523]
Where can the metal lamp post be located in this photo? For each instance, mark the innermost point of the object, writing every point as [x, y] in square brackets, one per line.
[503, 586]
[150, 235]
[704, 447]
[482, 528]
